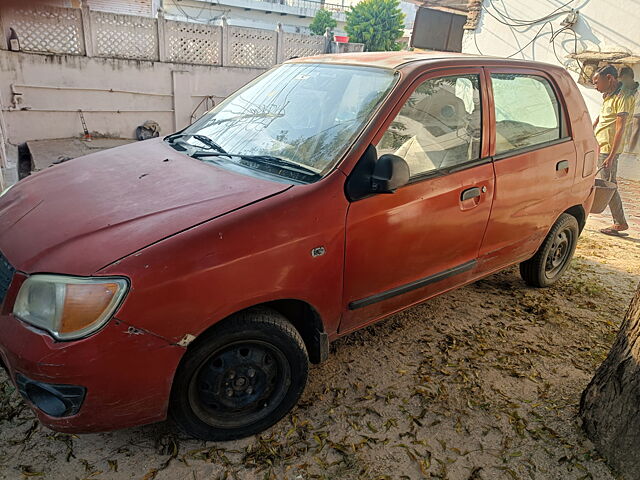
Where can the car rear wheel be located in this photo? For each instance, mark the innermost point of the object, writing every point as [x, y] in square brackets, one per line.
[554, 255]
[240, 378]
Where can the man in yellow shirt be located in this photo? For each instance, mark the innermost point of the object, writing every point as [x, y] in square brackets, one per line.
[609, 129]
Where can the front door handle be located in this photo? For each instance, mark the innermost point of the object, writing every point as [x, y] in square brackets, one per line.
[470, 193]
[562, 165]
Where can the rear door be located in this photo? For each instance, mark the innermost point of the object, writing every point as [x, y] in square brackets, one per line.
[534, 161]
[423, 239]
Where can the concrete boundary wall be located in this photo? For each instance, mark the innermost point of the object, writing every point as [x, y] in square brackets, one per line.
[41, 95]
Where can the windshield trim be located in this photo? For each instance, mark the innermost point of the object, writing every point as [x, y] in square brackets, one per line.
[301, 61]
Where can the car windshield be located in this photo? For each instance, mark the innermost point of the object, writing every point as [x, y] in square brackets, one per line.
[301, 115]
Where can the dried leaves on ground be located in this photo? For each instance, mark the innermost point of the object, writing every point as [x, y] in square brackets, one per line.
[480, 383]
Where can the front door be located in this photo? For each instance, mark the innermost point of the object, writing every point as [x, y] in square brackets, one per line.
[423, 239]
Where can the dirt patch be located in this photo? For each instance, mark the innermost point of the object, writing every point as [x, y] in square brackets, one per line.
[480, 383]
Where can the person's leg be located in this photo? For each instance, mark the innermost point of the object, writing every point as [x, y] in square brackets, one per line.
[617, 210]
[605, 172]
[609, 174]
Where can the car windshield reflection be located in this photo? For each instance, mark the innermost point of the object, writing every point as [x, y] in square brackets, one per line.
[303, 114]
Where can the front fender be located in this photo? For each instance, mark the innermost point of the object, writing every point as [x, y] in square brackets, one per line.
[261, 253]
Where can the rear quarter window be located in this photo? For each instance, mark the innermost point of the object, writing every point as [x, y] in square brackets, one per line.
[527, 111]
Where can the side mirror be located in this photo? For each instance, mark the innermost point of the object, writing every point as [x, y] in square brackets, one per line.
[390, 173]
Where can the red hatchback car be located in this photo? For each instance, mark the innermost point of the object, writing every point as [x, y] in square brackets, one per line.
[197, 275]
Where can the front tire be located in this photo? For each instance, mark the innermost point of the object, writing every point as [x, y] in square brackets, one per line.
[554, 255]
[240, 377]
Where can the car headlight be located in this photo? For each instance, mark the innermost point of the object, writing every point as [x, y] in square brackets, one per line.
[69, 307]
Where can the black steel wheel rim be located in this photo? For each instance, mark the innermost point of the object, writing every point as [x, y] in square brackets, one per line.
[240, 384]
[559, 252]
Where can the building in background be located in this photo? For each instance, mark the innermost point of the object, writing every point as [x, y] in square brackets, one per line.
[294, 15]
[146, 8]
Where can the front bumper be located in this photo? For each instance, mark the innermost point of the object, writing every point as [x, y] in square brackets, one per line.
[126, 373]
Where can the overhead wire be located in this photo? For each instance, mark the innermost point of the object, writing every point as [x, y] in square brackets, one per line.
[504, 22]
[568, 29]
[198, 16]
[475, 40]
[535, 37]
[523, 22]
[187, 15]
[514, 23]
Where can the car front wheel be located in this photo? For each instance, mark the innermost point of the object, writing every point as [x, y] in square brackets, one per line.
[554, 255]
[240, 378]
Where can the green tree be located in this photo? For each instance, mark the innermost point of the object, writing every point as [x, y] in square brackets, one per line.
[321, 21]
[376, 23]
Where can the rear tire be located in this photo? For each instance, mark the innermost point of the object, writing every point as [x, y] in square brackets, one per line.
[554, 255]
[240, 377]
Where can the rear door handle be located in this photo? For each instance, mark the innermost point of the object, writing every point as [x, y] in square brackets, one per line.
[562, 165]
[470, 193]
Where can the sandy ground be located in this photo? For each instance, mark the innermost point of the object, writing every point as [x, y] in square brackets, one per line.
[480, 383]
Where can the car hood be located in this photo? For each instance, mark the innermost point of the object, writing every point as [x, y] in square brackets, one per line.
[84, 214]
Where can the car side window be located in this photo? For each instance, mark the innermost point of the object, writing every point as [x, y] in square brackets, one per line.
[439, 126]
[527, 111]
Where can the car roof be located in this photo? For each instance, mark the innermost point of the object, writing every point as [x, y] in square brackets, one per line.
[395, 60]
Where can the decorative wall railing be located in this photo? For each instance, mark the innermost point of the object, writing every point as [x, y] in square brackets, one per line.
[81, 31]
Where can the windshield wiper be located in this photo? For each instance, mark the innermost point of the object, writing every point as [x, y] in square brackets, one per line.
[266, 159]
[201, 138]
